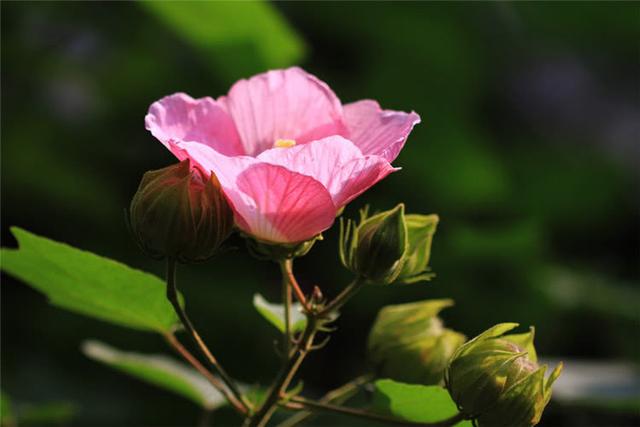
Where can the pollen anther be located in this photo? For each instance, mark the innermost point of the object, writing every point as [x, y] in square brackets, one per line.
[284, 143]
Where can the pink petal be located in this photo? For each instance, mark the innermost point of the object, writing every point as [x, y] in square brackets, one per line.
[282, 104]
[282, 206]
[179, 117]
[271, 203]
[377, 131]
[336, 163]
[207, 159]
[359, 175]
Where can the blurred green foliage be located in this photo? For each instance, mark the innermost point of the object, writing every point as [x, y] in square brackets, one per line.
[235, 38]
[527, 152]
[53, 413]
[275, 313]
[159, 370]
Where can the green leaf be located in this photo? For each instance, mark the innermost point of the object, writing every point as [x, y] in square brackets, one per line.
[274, 313]
[417, 403]
[159, 370]
[89, 284]
[236, 38]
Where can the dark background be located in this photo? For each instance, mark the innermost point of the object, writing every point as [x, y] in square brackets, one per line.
[529, 152]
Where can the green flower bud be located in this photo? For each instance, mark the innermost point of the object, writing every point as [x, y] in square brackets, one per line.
[179, 213]
[408, 342]
[375, 248]
[420, 231]
[495, 379]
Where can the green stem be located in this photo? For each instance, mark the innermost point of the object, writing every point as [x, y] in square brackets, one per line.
[285, 376]
[302, 403]
[344, 296]
[338, 395]
[286, 300]
[172, 296]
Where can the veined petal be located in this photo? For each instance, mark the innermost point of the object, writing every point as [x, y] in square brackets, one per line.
[277, 205]
[334, 162]
[205, 158]
[377, 131]
[271, 202]
[285, 104]
[179, 117]
[358, 175]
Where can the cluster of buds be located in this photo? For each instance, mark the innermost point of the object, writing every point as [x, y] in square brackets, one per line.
[388, 247]
[182, 214]
[408, 342]
[179, 213]
[495, 379]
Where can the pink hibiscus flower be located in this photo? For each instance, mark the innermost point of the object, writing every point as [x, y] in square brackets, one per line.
[287, 153]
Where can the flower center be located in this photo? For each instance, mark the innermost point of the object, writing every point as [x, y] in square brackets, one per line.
[284, 143]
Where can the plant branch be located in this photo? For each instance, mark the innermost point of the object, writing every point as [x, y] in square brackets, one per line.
[172, 296]
[302, 403]
[285, 376]
[286, 300]
[286, 266]
[344, 296]
[338, 395]
[215, 382]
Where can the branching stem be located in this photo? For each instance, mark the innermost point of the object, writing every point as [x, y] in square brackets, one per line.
[286, 374]
[338, 395]
[302, 403]
[286, 267]
[215, 381]
[172, 296]
[344, 296]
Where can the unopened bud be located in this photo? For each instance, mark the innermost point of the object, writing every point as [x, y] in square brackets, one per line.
[408, 342]
[179, 213]
[496, 380]
[375, 248]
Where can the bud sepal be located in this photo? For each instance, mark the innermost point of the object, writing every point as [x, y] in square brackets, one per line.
[420, 232]
[277, 252]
